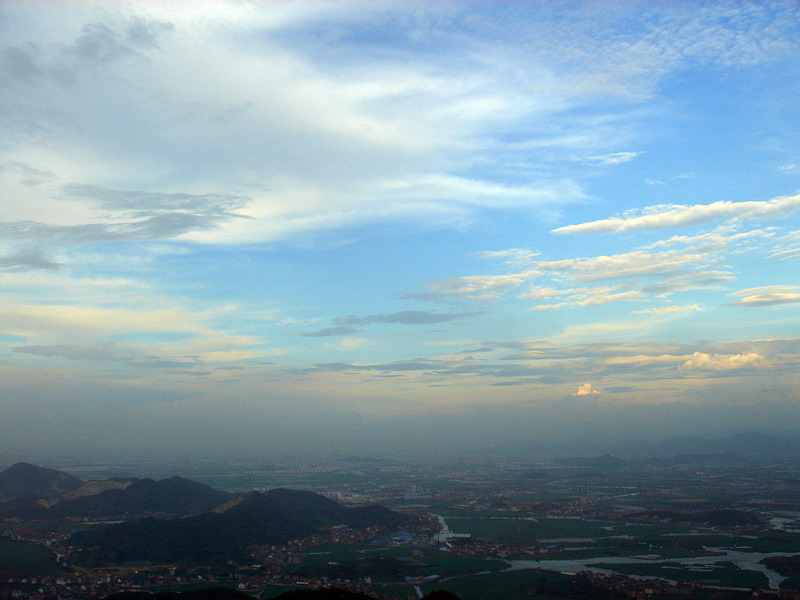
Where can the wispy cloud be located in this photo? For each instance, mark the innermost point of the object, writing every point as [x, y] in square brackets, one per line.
[614, 158]
[331, 331]
[347, 325]
[479, 287]
[767, 295]
[581, 296]
[668, 310]
[26, 260]
[663, 217]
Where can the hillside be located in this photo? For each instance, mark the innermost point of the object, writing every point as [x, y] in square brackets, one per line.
[24, 479]
[175, 496]
[120, 498]
[271, 517]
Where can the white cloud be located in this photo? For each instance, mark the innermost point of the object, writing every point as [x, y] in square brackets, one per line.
[662, 217]
[513, 256]
[585, 389]
[581, 296]
[318, 132]
[592, 332]
[480, 287]
[668, 310]
[700, 361]
[636, 263]
[725, 362]
[767, 295]
[614, 158]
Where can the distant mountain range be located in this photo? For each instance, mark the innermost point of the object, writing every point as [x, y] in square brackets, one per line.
[749, 444]
[256, 518]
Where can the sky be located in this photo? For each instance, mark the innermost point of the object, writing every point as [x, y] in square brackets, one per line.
[370, 226]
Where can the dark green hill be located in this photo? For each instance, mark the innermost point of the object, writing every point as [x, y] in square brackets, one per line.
[24, 479]
[267, 518]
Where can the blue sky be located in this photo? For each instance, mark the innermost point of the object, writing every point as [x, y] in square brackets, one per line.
[365, 220]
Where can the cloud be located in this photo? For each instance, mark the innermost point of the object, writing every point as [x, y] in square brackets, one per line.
[790, 169]
[30, 175]
[661, 217]
[408, 317]
[786, 254]
[158, 227]
[331, 331]
[325, 132]
[615, 158]
[722, 362]
[71, 351]
[668, 310]
[636, 263]
[513, 256]
[347, 325]
[29, 259]
[100, 43]
[348, 344]
[768, 295]
[137, 216]
[479, 287]
[585, 389]
[152, 203]
[582, 296]
[103, 352]
[695, 280]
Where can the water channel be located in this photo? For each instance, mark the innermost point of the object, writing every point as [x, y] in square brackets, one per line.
[748, 561]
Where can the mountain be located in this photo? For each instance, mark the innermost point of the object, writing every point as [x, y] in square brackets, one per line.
[175, 496]
[748, 444]
[24, 479]
[258, 518]
[714, 458]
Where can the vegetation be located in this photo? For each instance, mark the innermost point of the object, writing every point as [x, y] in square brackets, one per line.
[19, 559]
[722, 573]
[267, 518]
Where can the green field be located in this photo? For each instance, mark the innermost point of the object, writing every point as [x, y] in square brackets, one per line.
[768, 542]
[723, 573]
[524, 530]
[390, 564]
[19, 559]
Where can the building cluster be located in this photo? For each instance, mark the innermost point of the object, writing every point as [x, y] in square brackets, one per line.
[648, 589]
